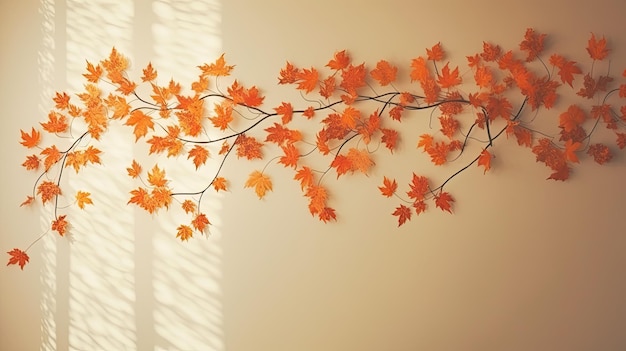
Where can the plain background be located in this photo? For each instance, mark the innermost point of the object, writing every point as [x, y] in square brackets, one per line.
[522, 264]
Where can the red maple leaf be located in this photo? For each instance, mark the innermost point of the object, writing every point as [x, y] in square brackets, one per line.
[18, 257]
[403, 213]
[389, 187]
[444, 201]
[597, 48]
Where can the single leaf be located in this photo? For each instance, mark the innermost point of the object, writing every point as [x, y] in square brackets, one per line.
[403, 213]
[134, 170]
[597, 48]
[389, 138]
[290, 157]
[93, 72]
[57, 123]
[485, 160]
[149, 74]
[448, 78]
[61, 100]
[30, 140]
[141, 122]
[260, 182]
[51, 156]
[286, 111]
[384, 73]
[289, 74]
[29, 200]
[224, 115]
[360, 160]
[570, 150]
[60, 225]
[435, 53]
[307, 79]
[532, 44]
[218, 68]
[199, 155]
[83, 198]
[572, 118]
[601, 153]
[248, 147]
[18, 257]
[340, 61]
[305, 176]
[200, 222]
[48, 190]
[418, 187]
[156, 177]
[219, 183]
[389, 187]
[184, 232]
[32, 162]
[444, 201]
[189, 206]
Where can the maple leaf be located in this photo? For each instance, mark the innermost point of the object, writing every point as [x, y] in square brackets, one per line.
[260, 182]
[218, 68]
[327, 87]
[48, 190]
[219, 183]
[61, 100]
[305, 176]
[327, 214]
[485, 160]
[490, 52]
[199, 155]
[189, 206]
[291, 156]
[389, 138]
[389, 187]
[449, 125]
[286, 110]
[360, 160]
[251, 97]
[448, 78]
[340, 60]
[532, 44]
[419, 186]
[149, 73]
[384, 73]
[435, 53]
[621, 140]
[419, 206]
[52, 156]
[567, 69]
[184, 232]
[18, 257]
[289, 74]
[60, 225]
[597, 48]
[125, 86]
[134, 170]
[443, 200]
[552, 157]
[425, 141]
[200, 222]
[30, 140]
[483, 77]
[156, 176]
[32, 162]
[438, 153]
[82, 199]
[248, 147]
[224, 112]
[342, 164]
[600, 152]
[572, 118]
[93, 72]
[570, 150]
[309, 112]
[403, 213]
[498, 106]
[307, 79]
[317, 198]
[141, 122]
[29, 200]
[419, 71]
[353, 77]
[350, 116]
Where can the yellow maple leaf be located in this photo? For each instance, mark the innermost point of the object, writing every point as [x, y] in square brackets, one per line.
[156, 176]
[141, 122]
[83, 198]
[184, 232]
[260, 182]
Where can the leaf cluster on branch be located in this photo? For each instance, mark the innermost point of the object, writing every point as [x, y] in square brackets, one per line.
[219, 119]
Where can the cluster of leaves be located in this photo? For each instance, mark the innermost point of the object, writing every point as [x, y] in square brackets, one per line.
[205, 123]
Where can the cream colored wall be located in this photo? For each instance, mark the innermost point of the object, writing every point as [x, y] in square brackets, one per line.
[523, 263]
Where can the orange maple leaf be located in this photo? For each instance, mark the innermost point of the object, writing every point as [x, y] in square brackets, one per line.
[360, 160]
[61, 100]
[307, 79]
[419, 70]
[118, 104]
[156, 177]
[218, 68]
[389, 138]
[384, 73]
[149, 73]
[444, 201]
[438, 153]
[219, 183]
[389, 187]
[93, 72]
[30, 140]
[317, 198]
[199, 155]
[403, 213]
[600, 152]
[57, 123]
[141, 122]
[248, 147]
[425, 142]
[597, 48]
[32, 162]
[572, 118]
[18, 257]
[52, 156]
[327, 87]
[29, 200]
[289, 74]
[419, 187]
[435, 53]
[200, 222]
[485, 160]
[305, 176]
[449, 125]
[83, 198]
[567, 69]
[570, 150]
[261, 183]
[352, 78]
[327, 214]
[224, 115]
[342, 164]
[286, 110]
[184, 232]
[189, 206]
[447, 78]
[490, 52]
[290, 157]
[532, 44]
[60, 225]
[48, 190]
[134, 170]
[340, 60]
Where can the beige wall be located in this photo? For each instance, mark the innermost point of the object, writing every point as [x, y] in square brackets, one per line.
[523, 264]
